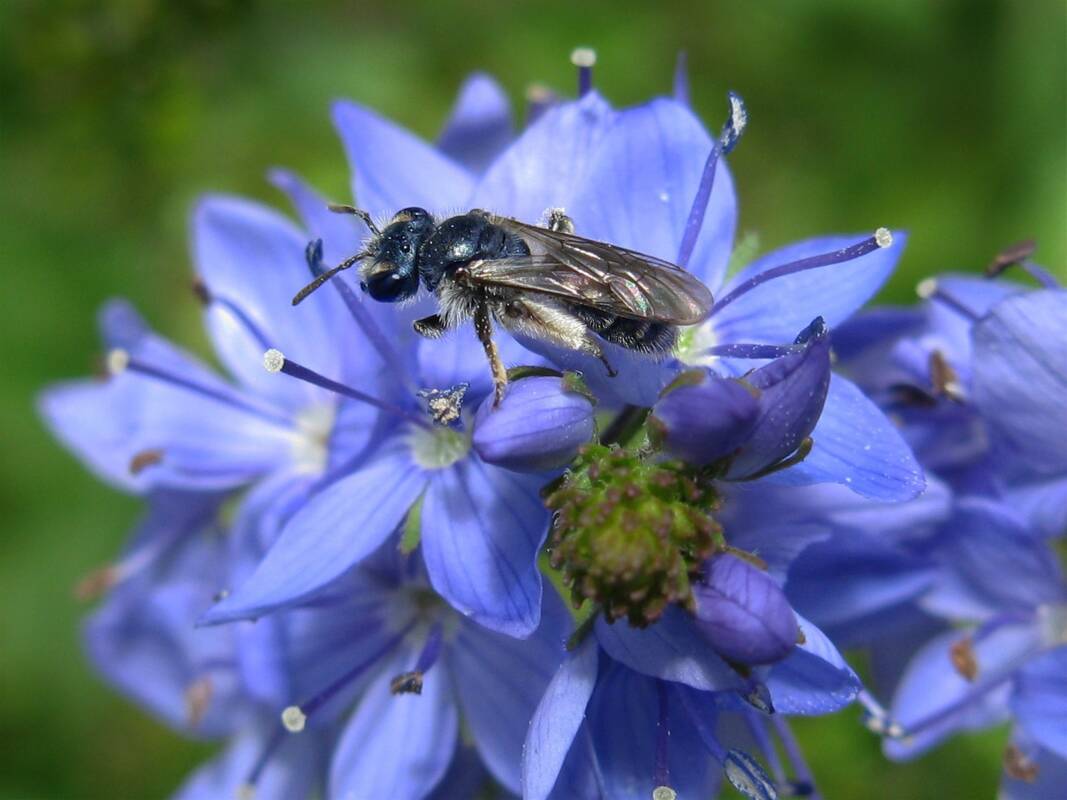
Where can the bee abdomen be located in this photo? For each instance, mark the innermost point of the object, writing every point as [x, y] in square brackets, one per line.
[634, 334]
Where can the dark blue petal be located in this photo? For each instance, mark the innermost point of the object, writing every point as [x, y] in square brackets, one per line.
[1040, 700]
[743, 613]
[539, 426]
[706, 422]
[466, 776]
[479, 127]
[641, 184]
[774, 311]
[549, 163]
[792, 390]
[393, 169]
[397, 745]
[857, 445]
[340, 526]
[672, 649]
[482, 528]
[500, 681]
[814, 678]
[557, 719]
[254, 257]
[1020, 376]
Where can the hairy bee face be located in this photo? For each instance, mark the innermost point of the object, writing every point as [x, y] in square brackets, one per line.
[391, 274]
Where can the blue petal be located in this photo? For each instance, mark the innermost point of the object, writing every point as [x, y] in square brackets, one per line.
[814, 679]
[539, 426]
[556, 720]
[672, 649]
[774, 311]
[1042, 503]
[292, 772]
[253, 257]
[641, 184]
[857, 445]
[1020, 376]
[1051, 778]
[482, 528]
[393, 169]
[397, 745]
[340, 526]
[466, 776]
[1040, 700]
[341, 234]
[778, 545]
[500, 681]
[933, 686]
[549, 163]
[705, 422]
[479, 127]
[458, 357]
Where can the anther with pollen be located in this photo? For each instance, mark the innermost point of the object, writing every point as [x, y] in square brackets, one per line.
[584, 58]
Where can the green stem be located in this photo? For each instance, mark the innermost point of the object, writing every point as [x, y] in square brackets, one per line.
[625, 426]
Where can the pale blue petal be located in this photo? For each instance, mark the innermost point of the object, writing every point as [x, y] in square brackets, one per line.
[1040, 700]
[479, 127]
[814, 678]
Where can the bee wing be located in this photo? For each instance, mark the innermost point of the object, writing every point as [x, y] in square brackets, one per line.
[597, 275]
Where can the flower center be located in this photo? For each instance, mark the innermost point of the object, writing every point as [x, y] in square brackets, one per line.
[312, 439]
[438, 447]
[695, 343]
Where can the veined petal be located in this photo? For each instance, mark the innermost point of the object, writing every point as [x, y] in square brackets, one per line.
[392, 168]
[672, 649]
[397, 745]
[549, 163]
[479, 127]
[500, 681]
[337, 528]
[1020, 376]
[482, 527]
[814, 678]
[857, 445]
[641, 184]
[557, 719]
[253, 257]
[774, 311]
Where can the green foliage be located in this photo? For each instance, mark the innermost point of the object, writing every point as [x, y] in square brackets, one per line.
[942, 118]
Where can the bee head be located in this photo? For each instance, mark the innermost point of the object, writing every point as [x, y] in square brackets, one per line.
[391, 274]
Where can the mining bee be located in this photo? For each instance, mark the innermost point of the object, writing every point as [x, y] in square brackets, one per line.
[542, 282]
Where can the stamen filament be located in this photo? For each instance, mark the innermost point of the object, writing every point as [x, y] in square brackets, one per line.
[275, 740]
[757, 726]
[882, 238]
[584, 58]
[804, 778]
[681, 78]
[120, 360]
[431, 649]
[754, 351]
[275, 361]
[930, 289]
[662, 775]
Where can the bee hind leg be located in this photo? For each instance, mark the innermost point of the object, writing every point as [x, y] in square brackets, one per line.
[431, 327]
[483, 327]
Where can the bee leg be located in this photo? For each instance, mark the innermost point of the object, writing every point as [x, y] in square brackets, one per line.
[483, 326]
[431, 327]
[612, 372]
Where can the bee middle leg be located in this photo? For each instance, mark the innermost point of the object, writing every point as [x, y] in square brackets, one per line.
[483, 327]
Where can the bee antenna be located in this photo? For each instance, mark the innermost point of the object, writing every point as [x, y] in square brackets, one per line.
[339, 208]
[325, 276]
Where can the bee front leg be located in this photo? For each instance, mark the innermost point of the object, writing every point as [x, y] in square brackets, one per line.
[483, 326]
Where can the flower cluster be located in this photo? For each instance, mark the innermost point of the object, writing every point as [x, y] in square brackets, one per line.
[342, 566]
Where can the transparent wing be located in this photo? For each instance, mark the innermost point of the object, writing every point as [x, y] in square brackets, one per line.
[598, 275]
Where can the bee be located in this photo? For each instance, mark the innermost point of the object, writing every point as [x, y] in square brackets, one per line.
[541, 282]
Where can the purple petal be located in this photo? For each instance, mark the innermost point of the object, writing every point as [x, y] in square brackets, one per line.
[253, 257]
[774, 311]
[672, 649]
[856, 445]
[933, 686]
[556, 721]
[479, 127]
[1020, 376]
[549, 163]
[500, 681]
[539, 426]
[792, 391]
[340, 526]
[482, 528]
[641, 184]
[1040, 700]
[393, 169]
[743, 613]
[291, 773]
[814, 678]
[397, 745]
[706, 422]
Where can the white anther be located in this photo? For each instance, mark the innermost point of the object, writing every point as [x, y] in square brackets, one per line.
[926, 288]
[884, 237]
[117, 361]
[739, 116]
[664, 793]
[273, 360]
[583, 56]
[294, 719]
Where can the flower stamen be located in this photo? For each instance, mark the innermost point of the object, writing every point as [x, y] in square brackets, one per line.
[584, 58]
[930, 289]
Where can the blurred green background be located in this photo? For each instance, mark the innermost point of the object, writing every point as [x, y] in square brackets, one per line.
[946, 118]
